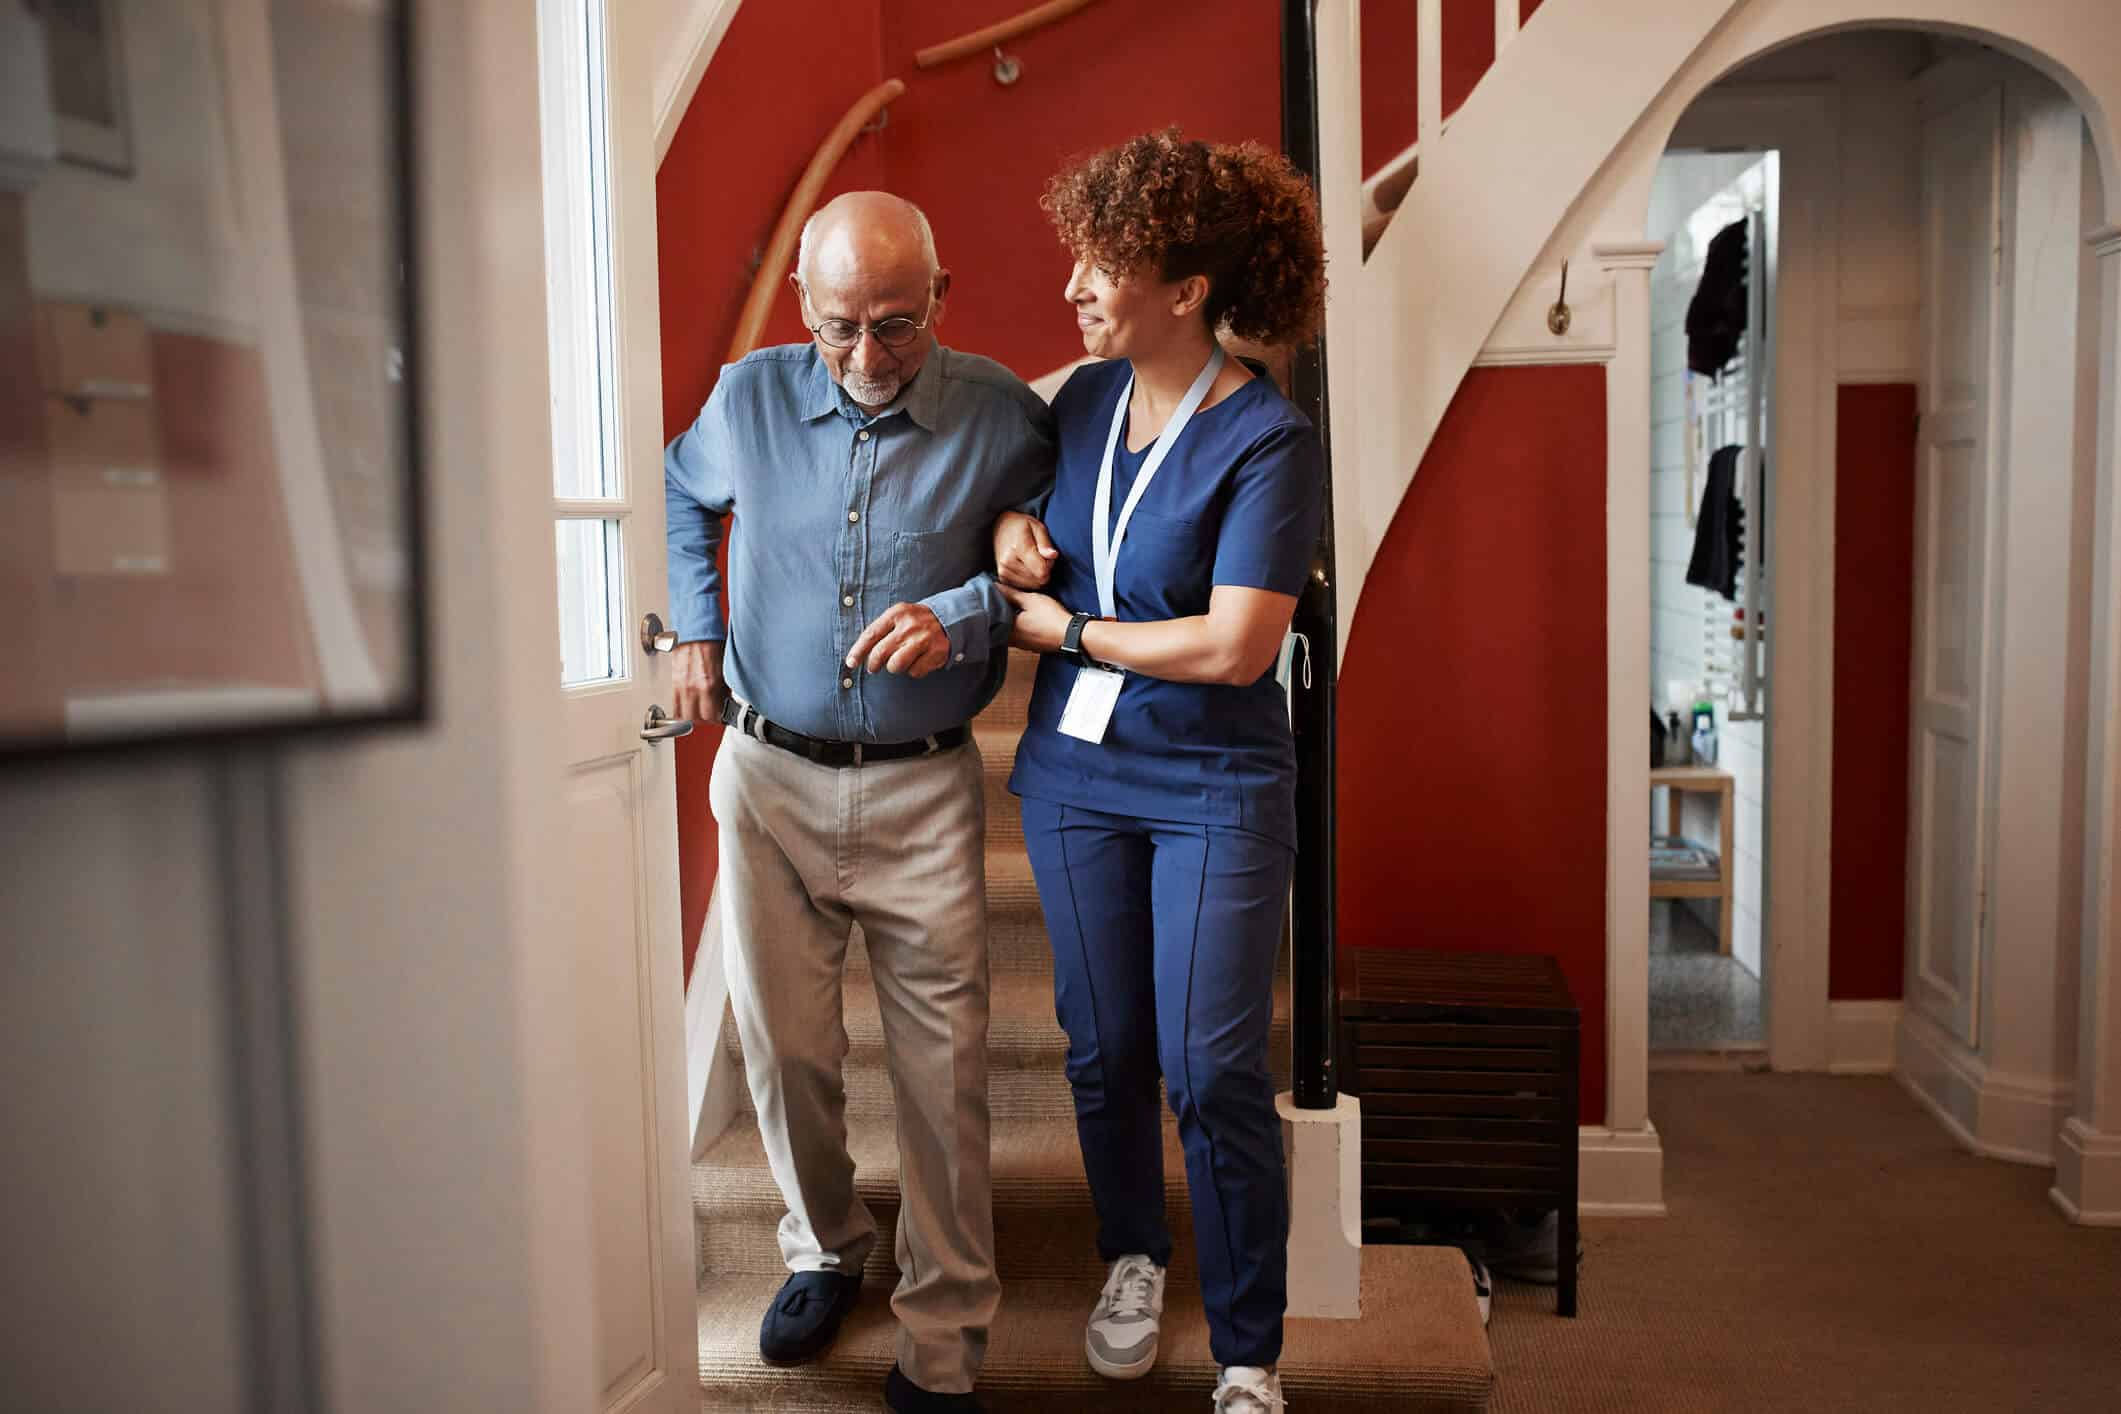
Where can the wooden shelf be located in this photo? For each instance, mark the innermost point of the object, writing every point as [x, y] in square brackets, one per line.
[1677, 781]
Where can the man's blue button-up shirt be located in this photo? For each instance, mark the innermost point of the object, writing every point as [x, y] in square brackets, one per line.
[842, 514]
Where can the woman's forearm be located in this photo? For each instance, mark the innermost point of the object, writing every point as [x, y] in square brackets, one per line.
[1193, 649]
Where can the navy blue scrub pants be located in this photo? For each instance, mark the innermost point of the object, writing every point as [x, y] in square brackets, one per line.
[1164, 940]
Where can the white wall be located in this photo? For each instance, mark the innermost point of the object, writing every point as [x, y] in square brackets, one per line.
[121, 1216]
[165, 238]
[447, 1217]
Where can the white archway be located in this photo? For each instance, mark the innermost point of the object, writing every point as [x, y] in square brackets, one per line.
[1608, 219]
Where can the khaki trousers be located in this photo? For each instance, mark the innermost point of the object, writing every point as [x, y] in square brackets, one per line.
[807, 851]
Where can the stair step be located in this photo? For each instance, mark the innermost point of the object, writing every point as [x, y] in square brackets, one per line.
[1026, 1050]
[1418, 1348]
[1012, 705]
[1044, 1224]
[1005, 816]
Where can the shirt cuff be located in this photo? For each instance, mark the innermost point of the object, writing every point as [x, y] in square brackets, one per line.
[963, 615]
[699, 622]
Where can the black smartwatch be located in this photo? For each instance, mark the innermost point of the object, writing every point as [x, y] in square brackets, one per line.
[1071, 644]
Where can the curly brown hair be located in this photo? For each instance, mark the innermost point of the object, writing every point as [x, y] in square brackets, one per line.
[1234, 212]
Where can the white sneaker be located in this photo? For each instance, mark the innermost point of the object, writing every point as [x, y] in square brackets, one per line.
[1121, 1337]
[1247, 1389]
[1483, 1286]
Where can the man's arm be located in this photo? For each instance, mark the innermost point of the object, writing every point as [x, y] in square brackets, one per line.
[697, 493]
[975, 616]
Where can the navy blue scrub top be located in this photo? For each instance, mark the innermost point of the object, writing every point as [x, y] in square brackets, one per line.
[1237, 501]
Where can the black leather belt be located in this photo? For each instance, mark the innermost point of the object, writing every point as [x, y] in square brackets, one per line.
[747, 720]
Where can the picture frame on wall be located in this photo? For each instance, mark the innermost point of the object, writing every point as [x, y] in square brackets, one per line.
[211, 518]
[85, 62]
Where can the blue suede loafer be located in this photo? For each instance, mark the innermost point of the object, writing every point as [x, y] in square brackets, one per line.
[806, 1315]
[903, 1396]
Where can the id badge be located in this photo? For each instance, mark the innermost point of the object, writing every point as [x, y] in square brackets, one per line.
[1090, 703]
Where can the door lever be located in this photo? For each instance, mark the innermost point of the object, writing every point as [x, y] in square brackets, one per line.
[661, 726]
[654, 637]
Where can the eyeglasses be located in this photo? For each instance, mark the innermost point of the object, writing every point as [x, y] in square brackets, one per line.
[893, 333]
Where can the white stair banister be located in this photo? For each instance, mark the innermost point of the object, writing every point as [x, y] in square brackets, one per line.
[1483, 207]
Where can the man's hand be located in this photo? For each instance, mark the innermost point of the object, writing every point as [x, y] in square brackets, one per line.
[696, 687]
[1023, 552]
[905, 638]
[1040, 621]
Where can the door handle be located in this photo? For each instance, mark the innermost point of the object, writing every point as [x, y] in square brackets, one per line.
[654, 637]
[661, 726]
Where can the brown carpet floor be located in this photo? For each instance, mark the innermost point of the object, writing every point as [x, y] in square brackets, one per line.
[1828, 1248]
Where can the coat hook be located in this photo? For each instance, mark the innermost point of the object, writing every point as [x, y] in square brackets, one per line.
[1558, 316]
[1007, 70]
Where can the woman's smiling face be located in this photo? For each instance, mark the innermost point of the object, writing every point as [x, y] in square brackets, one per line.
[1120, 315]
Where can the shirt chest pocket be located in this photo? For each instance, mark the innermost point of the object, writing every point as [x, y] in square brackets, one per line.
[1166, 563]
[925, 562]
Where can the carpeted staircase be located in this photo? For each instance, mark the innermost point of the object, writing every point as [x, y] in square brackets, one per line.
[1418, 1347]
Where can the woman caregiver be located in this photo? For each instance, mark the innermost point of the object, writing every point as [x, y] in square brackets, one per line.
[1158, 770]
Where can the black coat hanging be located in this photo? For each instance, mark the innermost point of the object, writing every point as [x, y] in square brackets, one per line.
[1716, 319]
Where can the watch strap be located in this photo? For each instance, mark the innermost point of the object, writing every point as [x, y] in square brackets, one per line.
[1071, 646]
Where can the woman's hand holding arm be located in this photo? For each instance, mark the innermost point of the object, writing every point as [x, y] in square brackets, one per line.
[1023, 552]
[1040, 620]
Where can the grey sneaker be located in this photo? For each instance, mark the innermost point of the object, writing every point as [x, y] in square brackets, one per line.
[1247, 1389]
[1121, 1337]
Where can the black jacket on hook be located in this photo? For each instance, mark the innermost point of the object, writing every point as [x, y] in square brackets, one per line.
[1716, 319]
[1719, 533]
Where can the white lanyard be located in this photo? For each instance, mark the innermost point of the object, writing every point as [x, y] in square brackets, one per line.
[1105, 538]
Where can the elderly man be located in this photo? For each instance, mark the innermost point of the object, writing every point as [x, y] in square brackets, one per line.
[866, 469]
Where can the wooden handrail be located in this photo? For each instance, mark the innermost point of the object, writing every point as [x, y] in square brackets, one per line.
[981, 40]
[780, 250]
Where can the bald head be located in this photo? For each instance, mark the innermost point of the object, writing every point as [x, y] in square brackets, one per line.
[873, 232]
[868, 260]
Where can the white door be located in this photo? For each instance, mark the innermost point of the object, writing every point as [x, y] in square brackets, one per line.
[1947, 864]
[621, 797]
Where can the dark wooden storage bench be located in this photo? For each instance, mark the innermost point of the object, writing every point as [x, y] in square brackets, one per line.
[1466, 1064]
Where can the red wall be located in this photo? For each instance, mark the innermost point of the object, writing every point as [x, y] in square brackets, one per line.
[1472, 697]
[1874, 585]
[973, 154]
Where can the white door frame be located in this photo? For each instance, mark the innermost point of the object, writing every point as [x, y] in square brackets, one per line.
[1802, 122]
[620, 790]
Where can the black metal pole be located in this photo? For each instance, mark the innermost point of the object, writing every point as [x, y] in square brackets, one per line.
[1316, 1000]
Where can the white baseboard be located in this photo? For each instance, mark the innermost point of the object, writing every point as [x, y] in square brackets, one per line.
[710, 1089]
[1995, 1115]
[2087, 1175]
[1620, 1173]
[1861, 1037]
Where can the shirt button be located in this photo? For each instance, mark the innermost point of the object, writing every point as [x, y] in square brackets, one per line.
[862, 436]
[847, 600]
[853, 516]
[846, 682]
[960, 658]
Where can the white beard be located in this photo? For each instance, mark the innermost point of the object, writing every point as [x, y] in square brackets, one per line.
[869, 392]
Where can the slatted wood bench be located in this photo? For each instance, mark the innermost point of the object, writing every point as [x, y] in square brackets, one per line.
[1467, 1066]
